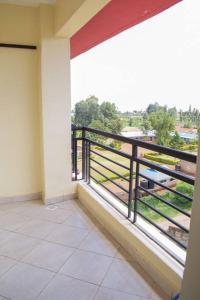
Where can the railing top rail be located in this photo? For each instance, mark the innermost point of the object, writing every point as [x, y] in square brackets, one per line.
[165, 150]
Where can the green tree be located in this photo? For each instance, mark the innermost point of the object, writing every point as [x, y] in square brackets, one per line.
[97, 124]
[86, 111]
[105, 116]
[146, 124]
[153, 107]
[176, 141]
[163, 123]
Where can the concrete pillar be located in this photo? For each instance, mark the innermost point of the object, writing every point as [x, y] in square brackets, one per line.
[55, 111]
[191, 279]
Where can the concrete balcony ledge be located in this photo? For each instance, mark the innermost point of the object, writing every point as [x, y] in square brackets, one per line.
[163, 269]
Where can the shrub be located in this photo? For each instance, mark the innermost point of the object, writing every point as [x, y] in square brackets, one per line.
[164, 159]
[189, 147]
[116, 145]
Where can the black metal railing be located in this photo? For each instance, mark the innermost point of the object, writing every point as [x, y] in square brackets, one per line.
[121, 173]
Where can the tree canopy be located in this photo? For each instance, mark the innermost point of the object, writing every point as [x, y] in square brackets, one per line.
[102, 116]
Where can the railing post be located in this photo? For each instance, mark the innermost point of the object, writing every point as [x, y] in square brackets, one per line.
[89, 161]
[83, 153]
[130, 194]
[75, 159]
[73, 149]
[136, 185]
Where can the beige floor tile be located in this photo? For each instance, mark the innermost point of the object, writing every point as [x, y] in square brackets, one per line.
[18, 246]
[109, 294]
[49, 256]
[99, 243]
[57, 215]
[87, 266]
[79, 220]
[3, 298]
[67, 235]
[37, 228]
[66, 288]
[5, 264]
[5, 236]
[122, 276]
[11, 221]
[72, 205]
[24, 282]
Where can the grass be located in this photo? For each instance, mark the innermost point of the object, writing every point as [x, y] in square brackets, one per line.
[170, 197]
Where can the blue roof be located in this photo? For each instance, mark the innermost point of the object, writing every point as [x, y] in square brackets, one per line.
[189, 136]
[155, 175]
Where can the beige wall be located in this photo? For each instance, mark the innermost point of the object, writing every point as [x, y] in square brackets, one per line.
[56, 110]
[20, 168]
[19, 123]
[18, 24]
[35, 133]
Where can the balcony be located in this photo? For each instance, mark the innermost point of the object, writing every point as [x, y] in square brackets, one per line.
[90, 234]
[60, 252]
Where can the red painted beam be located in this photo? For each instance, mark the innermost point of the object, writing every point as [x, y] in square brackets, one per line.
[115, 17]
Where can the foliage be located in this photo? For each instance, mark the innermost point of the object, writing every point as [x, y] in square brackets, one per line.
[189, 147]
[116, 145]
[98, 125]
[104, 117]
[161, 158]
[176, 141]
[146, 124]
[190, 118]
[163, 123]
[86, 111]
[153, 107]
[179, 201]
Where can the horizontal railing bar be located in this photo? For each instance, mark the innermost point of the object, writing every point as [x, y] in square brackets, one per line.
[166, 187]
[164, 201]
[109, 159]
[163, 215]
[77, 128]
[165, 150]
[112, 171]
[175, 174]
[108, 190]
[113, 182]
[120, 153]
[161, 229]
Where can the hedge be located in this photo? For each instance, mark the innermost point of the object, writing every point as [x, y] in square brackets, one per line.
[161, 158]
[189, 147]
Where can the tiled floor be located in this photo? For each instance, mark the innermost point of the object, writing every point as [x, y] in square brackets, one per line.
[60, 253]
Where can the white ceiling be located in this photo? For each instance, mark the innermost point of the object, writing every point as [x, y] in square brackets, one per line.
[28, 2]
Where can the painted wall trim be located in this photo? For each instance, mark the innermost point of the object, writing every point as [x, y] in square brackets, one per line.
[17, 198]
[61, 198]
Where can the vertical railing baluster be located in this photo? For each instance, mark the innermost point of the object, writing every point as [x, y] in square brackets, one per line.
[136, 185]
[73, 150]
[130, 194]
[89, 161]
[75, 158]
[86, 161]
[83, 153]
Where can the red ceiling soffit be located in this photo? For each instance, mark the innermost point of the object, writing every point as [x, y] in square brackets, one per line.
[115, 17]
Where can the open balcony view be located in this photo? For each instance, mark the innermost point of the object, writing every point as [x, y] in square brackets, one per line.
[99, 152]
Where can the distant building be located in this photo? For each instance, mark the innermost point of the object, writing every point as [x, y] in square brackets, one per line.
[136, 133]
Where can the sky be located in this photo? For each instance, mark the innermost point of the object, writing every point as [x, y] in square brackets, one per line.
[157, 60]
